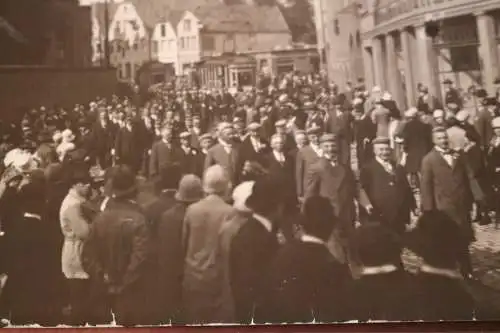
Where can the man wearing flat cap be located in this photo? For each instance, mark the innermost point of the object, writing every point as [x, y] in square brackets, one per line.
[385, 193]
[163, 153]
[306, 157]
[189, 154]
[335, 181]
[226, 153]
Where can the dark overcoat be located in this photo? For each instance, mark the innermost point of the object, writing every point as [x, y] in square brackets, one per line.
[305, 158]
[231, 162]
[450, 189]
[304, 283]
[390, 194]
[417, 143]
[337, 184]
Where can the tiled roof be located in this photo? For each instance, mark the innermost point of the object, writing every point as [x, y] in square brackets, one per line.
[241, 18]
[155, 11]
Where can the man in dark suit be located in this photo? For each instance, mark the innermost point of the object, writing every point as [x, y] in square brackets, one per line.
[189, 154]
[304, 282]
[254, 148]
[206, 142]
[281, 167]
[340, 123]
[448, 185]
[103, 139]
[226, 153]
[483, 121]
[170, 250]
[252, 249]
[385, 192]
[266, 122]
[452, 97]
[417, 142]
[306, 157]
[333, 180]
[165, 190]
[282, 130]
[164, 153]
[146, 136]
[127, 147]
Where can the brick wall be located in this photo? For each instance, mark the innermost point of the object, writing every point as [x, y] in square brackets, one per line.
[22, 88]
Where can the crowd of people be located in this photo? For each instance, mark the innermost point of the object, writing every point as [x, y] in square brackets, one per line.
[259, 213]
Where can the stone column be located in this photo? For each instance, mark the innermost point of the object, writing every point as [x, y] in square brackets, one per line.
[488, 50]
[427, 58]
[394, 83]
[368, 67]
[407, 41]
[378, 63]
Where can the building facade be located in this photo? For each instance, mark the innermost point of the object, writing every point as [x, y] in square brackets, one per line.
[145, 31]
[339, 39]
[411, 42]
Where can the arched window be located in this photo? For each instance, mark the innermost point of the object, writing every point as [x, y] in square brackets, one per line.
[336, 27]
[358, 39]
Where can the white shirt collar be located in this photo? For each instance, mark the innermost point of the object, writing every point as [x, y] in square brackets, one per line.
[384, 163]
[440, 271]
[264, 221]
[311, 239]
[104, 204]
[280, 157]
[440, 150]
[316, 149]
[384, 269]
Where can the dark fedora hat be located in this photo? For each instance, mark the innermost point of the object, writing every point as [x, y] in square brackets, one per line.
[122, 182]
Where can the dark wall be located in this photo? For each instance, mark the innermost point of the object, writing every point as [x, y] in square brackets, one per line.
[24, 88]
[44, 24]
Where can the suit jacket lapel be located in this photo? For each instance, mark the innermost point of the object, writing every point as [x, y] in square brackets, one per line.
[441, 160]
[337, 172]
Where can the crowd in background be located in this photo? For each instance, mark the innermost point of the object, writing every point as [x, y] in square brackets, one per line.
[288, 202]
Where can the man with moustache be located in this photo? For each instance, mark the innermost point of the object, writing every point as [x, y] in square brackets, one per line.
[306, 157]
[226, 153]
[449, 185]
[385, 191]
[333, 180]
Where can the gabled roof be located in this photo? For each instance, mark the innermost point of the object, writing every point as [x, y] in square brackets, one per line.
[99, 11]
[156, 11]
[242, 18]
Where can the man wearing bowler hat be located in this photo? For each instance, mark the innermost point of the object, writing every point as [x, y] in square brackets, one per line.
[170, 250]
[126, 275]
[385, 191]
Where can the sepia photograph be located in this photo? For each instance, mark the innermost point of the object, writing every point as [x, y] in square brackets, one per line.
[249, 162]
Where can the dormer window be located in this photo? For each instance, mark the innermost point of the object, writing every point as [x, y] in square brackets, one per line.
[163, 30]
